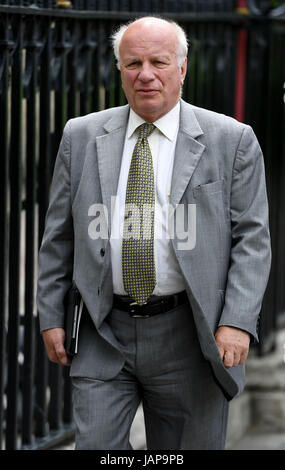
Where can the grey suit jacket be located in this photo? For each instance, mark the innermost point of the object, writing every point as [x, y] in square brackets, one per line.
[218, 167]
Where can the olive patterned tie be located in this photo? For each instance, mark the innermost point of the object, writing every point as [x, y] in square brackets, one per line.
[138, 266]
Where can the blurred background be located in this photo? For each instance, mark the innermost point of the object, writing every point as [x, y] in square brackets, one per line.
[56, 63]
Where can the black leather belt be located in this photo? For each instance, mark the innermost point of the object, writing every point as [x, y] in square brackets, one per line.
[154, 306]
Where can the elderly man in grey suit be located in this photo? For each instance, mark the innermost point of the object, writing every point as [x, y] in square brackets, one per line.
[169, 307]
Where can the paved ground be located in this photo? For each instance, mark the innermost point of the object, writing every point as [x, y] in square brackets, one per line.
[260, 441]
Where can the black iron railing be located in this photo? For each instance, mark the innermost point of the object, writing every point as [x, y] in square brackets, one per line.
[57, 63]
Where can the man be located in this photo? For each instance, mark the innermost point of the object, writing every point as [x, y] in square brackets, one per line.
[166, 321]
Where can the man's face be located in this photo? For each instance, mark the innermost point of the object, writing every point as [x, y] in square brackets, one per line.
[151, 78]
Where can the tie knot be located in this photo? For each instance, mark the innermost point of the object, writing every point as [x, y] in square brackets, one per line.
[145, 130]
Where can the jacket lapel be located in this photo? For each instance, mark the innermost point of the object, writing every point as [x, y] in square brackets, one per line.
[110, 150]
[188, 152]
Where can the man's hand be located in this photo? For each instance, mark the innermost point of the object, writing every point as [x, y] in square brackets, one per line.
[54, 343]
[233, 345]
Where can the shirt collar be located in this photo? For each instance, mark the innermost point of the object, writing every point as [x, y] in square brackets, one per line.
[167, 124]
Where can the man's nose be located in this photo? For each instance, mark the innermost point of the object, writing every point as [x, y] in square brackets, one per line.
[146, 73]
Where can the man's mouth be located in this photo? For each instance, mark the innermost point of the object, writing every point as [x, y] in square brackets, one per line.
[147, 92]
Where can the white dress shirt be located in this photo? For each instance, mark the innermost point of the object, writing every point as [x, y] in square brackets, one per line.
[162, 142]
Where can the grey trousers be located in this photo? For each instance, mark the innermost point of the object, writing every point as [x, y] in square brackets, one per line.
[184, 408]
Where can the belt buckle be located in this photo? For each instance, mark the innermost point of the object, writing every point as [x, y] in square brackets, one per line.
[137, 315]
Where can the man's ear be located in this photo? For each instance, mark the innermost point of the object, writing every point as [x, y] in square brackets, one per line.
[183, 70]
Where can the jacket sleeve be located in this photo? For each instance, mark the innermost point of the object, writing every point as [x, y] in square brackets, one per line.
[251, 250]
[56, 253]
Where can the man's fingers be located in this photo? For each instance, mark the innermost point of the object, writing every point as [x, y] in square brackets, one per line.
[229, 358]
[243, 356]
[237, 357]
[61, 355]
[52, 355]
[54, 343]
[221, 351]
[233, 345]
[233, 358]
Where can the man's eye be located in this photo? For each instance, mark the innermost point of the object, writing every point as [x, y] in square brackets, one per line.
[160, 63]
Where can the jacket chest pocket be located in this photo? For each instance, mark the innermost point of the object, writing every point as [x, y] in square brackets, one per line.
[211, 195]
[208, 188]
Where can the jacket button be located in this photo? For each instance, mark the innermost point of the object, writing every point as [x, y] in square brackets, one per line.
[102, 252]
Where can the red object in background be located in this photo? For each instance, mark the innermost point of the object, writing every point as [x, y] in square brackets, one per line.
[241, 4]
[242, 7]
[240, 82]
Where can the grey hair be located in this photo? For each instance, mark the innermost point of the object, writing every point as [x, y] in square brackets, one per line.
[182, 47]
